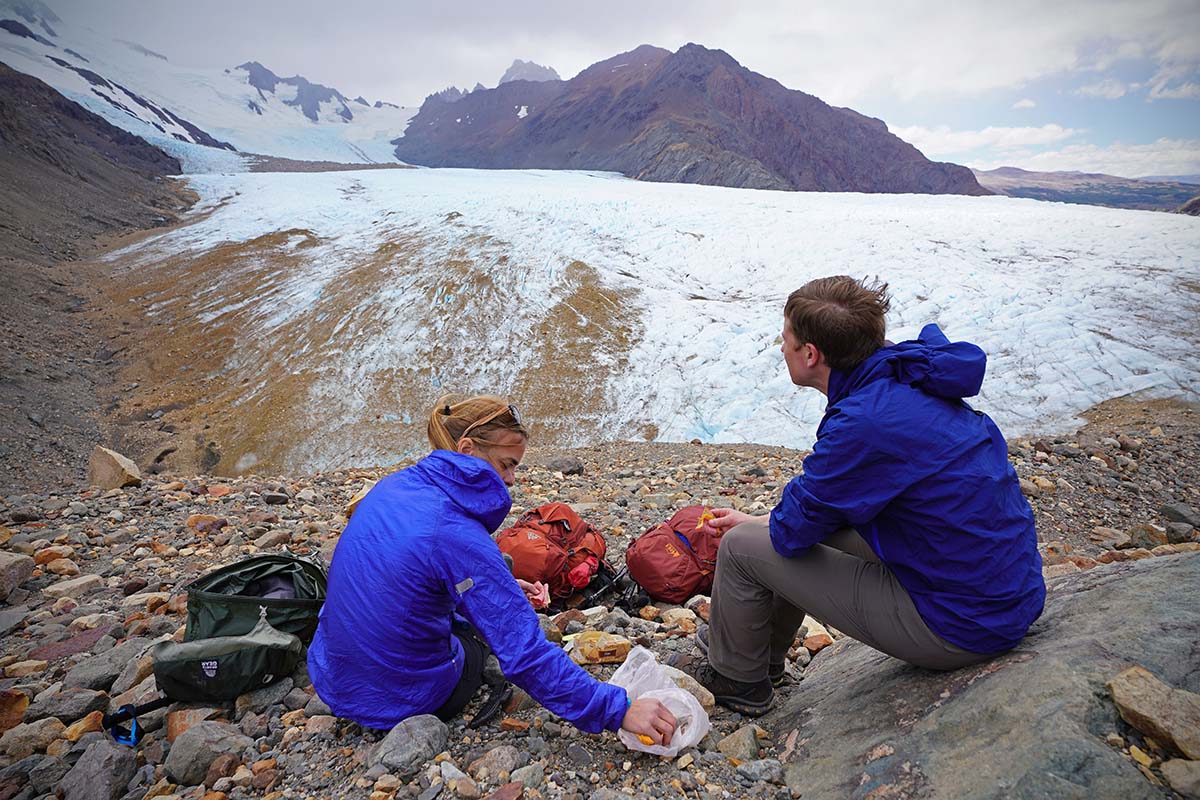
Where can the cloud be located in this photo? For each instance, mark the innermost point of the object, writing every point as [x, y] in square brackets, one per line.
[1024, 103]
[1186, 91]
[1109, 89]
[841, 52]
[1162, 157]
[941, 141]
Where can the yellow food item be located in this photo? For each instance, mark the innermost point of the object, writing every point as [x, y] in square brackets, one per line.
[705, 517]
[644, 739]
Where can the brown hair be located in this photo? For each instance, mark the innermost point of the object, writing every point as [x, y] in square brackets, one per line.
[843, 317]
[456, 415]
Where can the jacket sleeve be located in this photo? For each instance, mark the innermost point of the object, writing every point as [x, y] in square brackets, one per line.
[490, 599]
[847, 481]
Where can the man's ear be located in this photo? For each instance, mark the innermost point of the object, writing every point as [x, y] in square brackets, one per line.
[814, 356]
[466, 446]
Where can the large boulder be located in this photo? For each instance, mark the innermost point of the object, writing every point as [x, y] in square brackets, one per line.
[99, 672]
[102, 772]
[109, 469]
[197, 747]
[1028, 723]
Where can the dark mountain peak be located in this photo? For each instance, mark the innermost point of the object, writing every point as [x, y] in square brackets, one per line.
[638, 60]
[528, 71]
[362, 101]
[385, 104]
[693, 116]
[479, 87]
[33, 12]
[309, 96]
[17, 29]
[259, 76]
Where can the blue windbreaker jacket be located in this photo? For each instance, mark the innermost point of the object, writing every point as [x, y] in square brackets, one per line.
[926, 480]
[417, 551]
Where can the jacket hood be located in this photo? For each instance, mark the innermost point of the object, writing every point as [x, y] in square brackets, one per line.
[931, 363]
[470, 483]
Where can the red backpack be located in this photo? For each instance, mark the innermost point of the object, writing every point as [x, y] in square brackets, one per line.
[553, 544]
[675, 559]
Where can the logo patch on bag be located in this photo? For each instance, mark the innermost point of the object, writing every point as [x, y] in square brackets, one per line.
[462, 586]
[210, 668]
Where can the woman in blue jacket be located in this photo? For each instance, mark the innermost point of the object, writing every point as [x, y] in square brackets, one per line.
[417, 562]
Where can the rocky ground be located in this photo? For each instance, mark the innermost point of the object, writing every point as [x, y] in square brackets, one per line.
[90, 578]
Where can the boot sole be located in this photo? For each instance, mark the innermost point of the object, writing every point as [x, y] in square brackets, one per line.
[745, 707]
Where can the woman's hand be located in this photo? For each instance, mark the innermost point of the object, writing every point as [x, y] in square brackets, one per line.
[726, 518]
[537, 593]
[650, 718]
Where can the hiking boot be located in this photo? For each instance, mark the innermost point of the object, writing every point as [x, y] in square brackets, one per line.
[750, 699]
[775, 672]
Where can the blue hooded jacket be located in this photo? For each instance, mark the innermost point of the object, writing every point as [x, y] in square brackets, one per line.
[925, 480]
[418, 551]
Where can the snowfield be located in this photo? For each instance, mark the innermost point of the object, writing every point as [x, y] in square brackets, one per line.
[1073, 304]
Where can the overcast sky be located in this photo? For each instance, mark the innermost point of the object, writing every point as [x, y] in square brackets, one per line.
[1095, 85]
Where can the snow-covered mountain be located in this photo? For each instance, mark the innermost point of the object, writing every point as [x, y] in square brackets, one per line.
[247, 108]
[323, 313]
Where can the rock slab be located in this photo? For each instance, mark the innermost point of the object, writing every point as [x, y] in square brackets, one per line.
[1028, 723]
[15, 569]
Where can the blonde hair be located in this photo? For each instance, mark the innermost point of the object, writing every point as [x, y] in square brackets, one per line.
[454, 416]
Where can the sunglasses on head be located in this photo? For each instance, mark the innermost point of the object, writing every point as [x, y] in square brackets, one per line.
[512, 412]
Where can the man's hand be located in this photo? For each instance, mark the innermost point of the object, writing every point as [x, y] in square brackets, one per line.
[537, 593]
[649, 718]
[726, 518]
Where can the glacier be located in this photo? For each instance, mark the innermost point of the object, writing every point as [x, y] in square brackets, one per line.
[670, 296]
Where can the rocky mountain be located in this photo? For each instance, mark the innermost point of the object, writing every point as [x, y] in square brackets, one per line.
[1087, 188]
[68, 176]
[528, 71]
[310, 98]
[246, 109]
[1191, 207]
[692, 116]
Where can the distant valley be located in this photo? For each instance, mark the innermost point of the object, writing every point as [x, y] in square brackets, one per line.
[1090, 188]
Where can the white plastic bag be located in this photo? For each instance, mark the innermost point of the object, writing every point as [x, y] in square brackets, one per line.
[642, 676]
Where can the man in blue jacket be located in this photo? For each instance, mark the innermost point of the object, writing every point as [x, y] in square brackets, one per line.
[907, 529]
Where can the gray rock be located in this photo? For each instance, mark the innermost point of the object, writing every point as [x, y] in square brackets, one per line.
[765, 769]
[46, 775]
[196, 748]
[67, 705]
[261, 699]
[102, 773]
[1028, 723]
[30, 737]
[497, 761]
[100, 671]
[296, 698]
[742, 744]
[567, 465]
[10, 618]
[579, 754]
[1179, 532]
[15, 569]
[317, 707]
[410, 744]
[531, 775]
[1182, 512]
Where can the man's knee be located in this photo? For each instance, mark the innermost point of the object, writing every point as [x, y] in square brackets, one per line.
[744, 539]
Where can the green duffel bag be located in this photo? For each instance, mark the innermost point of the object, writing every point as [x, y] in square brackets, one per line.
[223, 667]
[226, 601]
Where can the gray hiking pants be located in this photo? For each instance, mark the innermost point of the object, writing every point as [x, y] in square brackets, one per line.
[760, 598]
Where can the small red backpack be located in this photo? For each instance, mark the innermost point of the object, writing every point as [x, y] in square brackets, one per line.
[553, 544]
[675, 559]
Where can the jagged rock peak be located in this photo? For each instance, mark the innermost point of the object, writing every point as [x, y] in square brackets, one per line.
[528, 71]
[451, 94]
[309, 96]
